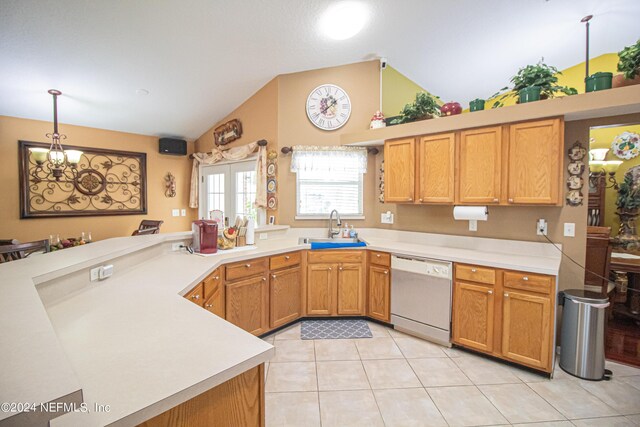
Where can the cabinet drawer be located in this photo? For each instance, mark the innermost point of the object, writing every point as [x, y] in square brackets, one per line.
[335, 256]
[284, 260]
[248, 268]
[527, 282]
[195, 295]
[380, 258]
[212, 283]
[476, 274]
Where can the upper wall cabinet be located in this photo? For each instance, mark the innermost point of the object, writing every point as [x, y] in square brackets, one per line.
[535, 162]
[517, 164]
[436, 168]
[480, 166]
[400, 166]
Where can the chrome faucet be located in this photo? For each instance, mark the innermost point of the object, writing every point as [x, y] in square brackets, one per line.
[333, 233]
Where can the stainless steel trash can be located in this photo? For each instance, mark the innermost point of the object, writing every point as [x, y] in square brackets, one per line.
[582, 336]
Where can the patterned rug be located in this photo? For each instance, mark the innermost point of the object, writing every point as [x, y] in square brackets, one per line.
[334, 329]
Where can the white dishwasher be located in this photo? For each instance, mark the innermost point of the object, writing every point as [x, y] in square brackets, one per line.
[421, 297]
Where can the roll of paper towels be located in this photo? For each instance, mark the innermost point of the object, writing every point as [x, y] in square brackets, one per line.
[469, 213]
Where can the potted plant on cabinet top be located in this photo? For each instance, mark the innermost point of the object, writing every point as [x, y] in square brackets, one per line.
[532, 83]
[628, 203]
[629, 66]
[424, 107]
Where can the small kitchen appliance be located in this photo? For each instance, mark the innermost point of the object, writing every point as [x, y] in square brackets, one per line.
[205, 236]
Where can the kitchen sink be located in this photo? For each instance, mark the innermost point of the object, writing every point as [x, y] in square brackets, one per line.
[308, 240]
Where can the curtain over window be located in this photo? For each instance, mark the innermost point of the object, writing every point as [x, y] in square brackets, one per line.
[329, 159]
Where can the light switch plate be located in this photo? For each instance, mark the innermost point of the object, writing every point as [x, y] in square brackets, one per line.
[175, 212]
[183, 212]
[93, 275]
[569, 229]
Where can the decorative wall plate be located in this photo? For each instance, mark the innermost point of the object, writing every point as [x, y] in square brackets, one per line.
[577, 151]
[272, 203]
[271, 170]
[575, 182]
[271, 186]
[626, 145]
[576, 168]
[574, 198]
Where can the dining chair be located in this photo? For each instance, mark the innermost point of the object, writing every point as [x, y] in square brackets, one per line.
[14, 252]
[148, 226]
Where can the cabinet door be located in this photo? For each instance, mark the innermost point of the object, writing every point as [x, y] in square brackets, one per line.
[480, 166]
[399, 170]
[535, 160]
[436, 170]
[195, 295]
[248, 304]
[526, 329]
[320, 286]
[350, 289]
[473, 316]
[379, 293]
[215, 303]
[284, 297]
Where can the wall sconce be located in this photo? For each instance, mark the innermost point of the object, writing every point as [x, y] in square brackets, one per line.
[598, 154]
[58, 158]
[598, 169]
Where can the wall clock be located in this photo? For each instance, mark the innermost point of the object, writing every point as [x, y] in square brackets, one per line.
[328, 107]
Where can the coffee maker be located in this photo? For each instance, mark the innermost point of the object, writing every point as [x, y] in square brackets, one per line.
[205, 236]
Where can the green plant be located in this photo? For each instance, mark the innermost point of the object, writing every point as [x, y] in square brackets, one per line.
[424, 107]
[542, 75]
[629, 63]
[628, 194]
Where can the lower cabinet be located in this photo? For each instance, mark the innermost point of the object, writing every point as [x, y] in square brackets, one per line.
[284, 296]
[507, 314]
[473, 316]
[320, 280]
[214, 298]
[379, 304]
[350, 289]
[247, 304]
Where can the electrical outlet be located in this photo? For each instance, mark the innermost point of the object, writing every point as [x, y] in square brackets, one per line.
[183, 212]
[263, 236]
[93, 274]
[473, 225]
[569, 229]
[386, 218]
[176, 246]
[175, 212]
[105, 272]
[541, 227]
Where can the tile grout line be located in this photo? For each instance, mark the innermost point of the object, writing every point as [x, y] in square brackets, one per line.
[315, 362]
[369, 382]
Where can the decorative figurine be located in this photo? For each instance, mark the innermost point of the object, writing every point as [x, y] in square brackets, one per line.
[451, 109]
[377, 121]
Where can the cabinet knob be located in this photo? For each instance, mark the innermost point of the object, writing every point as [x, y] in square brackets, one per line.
[473, 270]
[264, 279]
[525, 278]
[510, 200]
[247, 265]
[208, 305]
[420, 200]
[378, 255]
[329, 268]
[386, 272]
[506, 295]
[410, 199]
[195, 296]
[216, 277]
[273, 276]
[287, 257]
[490, 292]
[495, 200]
[340, 268]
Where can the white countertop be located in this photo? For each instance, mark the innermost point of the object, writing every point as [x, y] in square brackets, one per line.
[132, 342]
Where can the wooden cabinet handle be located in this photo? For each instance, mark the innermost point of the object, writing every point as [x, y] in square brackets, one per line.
[247, 265]
[525, 278]
[287, 257]
[506, 295]
[473, 270]
[490, 292]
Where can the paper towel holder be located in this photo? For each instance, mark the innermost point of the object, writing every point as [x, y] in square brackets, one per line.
[473, 214]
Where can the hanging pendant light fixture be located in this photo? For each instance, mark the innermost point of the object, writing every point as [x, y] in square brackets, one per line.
[58, 158]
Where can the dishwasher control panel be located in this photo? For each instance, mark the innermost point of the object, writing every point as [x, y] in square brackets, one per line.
[429, 267]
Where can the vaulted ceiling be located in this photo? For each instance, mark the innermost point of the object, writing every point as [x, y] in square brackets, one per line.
[199, 59]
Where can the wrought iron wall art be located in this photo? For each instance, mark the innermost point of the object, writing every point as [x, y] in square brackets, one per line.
[170, 185]
[103, 182]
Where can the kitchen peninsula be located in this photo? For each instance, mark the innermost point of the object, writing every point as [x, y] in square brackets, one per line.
[134, 343]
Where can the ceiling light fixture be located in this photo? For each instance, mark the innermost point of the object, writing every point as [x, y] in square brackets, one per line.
[57, 156]
[344, 20]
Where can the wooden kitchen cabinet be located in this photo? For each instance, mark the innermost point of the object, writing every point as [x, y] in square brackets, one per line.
[535, 162]
[215, 295]
[526, 328]
[436, 169]
[284, 296]
[379, 293]
[195, 294]
[473, 321]
[400, 168]
[350, 289]
[335, 283]
[247, 304]
[480, 166]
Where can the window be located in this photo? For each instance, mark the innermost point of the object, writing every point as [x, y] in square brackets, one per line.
[230, 188]
[328, 179]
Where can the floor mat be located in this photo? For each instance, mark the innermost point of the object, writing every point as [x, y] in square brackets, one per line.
[334, 329]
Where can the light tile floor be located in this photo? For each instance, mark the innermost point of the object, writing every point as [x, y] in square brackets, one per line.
[393, 380]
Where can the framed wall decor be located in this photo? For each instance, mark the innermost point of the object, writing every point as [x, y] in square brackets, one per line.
[103, 182]
[227, 132]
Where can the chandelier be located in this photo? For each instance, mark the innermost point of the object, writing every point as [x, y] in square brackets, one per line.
[58, 158]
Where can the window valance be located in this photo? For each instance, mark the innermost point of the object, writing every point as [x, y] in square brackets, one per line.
[329, 159]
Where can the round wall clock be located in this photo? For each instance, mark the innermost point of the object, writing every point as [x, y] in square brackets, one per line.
[328, 107]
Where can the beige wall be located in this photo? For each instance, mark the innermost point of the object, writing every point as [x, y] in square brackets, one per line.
[159, 207]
